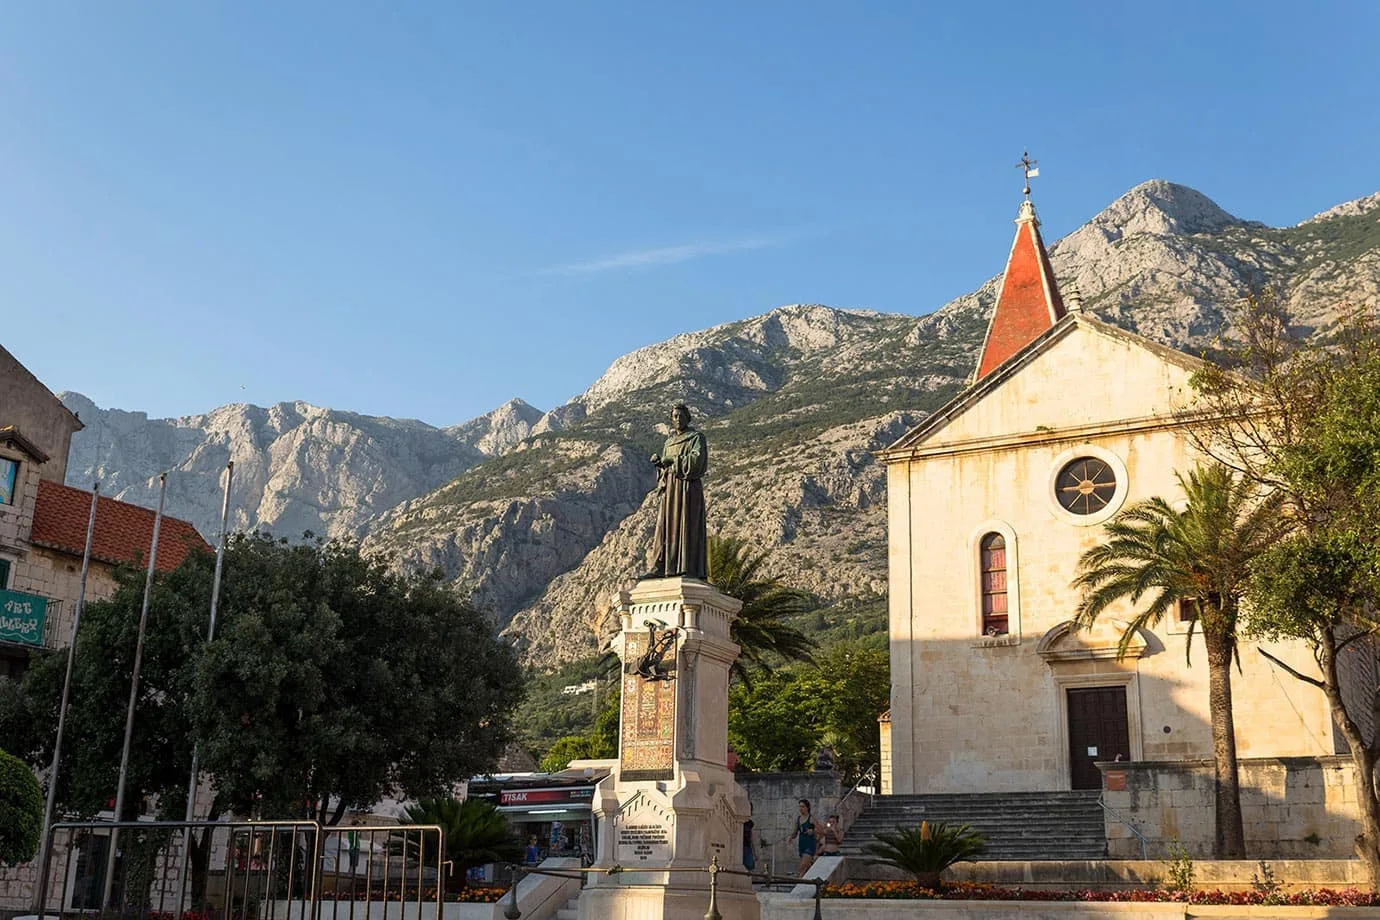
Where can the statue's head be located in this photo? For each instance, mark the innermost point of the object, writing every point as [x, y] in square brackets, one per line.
[680, 416]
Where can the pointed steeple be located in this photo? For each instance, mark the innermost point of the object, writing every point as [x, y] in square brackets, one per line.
[1028, 300]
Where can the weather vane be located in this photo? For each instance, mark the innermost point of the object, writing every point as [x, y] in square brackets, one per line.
[1031, 172]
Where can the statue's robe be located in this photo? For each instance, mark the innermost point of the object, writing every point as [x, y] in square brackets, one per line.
[681, 544]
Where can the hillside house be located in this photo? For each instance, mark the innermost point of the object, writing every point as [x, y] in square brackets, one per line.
[43, 524]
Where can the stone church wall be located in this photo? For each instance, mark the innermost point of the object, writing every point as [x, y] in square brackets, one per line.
[973, 713]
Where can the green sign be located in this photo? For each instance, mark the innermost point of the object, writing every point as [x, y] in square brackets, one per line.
[21, 617]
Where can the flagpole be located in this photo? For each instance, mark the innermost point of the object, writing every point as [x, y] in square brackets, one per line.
[134, 691]
[41, 890]
[210, 635]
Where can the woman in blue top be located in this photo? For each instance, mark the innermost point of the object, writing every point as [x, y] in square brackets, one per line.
[805, 837]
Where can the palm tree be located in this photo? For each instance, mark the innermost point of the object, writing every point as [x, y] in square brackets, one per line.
[475, 834]
[760, 628]
[1200, 555]
[926, 851]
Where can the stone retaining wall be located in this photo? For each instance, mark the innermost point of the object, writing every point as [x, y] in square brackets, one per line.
[1120, 875]
[780, 907]
[1301, 807]
[774, 797]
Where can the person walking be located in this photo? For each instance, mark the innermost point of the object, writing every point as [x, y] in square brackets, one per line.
[749, 852]
[805, 836]
[830, 837]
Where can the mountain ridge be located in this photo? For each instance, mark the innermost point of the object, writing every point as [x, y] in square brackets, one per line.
[541, 515]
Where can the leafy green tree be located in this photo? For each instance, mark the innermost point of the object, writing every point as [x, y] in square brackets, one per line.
[775, 723]
[160, 755]
[335, 680]
[780, 720]
[926, 851]
[332, 681]
[559, 756]
[21, 811]
[1200, 555]
[1303, 417]
[475, 835]
[760, 629]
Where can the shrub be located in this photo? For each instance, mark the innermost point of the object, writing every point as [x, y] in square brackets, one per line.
[475, 834]
[21, 811]
[927, 850]
[1180, 874]
[1266, 884]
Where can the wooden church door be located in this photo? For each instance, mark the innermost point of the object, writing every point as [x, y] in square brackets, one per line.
[1098, 731]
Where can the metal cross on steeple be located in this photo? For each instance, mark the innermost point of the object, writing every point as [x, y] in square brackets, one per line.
[1031, 172]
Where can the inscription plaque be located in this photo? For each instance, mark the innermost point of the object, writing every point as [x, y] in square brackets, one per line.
[644, 843]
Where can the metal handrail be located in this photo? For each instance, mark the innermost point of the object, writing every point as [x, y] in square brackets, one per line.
[870, 774]
[513, 912]
[1130, 824]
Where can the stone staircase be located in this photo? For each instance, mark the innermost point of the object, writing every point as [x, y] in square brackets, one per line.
[571, 910]
[1018, 825]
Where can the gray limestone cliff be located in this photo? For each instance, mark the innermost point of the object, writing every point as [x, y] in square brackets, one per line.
[298, 467]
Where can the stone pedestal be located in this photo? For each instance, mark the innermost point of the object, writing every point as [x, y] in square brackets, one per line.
[672, 805]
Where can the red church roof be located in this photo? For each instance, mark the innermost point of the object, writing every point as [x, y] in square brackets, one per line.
[1028, 302]
[123, 531]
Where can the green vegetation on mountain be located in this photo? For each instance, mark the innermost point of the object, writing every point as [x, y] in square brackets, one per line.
[548, 714]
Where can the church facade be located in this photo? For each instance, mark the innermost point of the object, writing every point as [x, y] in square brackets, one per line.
[991, 502]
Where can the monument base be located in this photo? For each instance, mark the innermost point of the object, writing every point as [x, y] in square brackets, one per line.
[653, 902]
[672, 805]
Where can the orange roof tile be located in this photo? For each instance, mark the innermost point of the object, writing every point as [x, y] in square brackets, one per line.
[1029, 301]
[123, 531]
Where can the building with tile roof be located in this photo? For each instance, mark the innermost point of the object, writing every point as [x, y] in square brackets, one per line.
[992, 500]
[43, 524]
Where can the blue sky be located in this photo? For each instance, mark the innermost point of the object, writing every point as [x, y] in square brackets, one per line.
[422, 210]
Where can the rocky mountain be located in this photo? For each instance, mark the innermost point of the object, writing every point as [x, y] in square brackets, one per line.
[542, 516]
[794, 400]
[791, 401]
[298, 467]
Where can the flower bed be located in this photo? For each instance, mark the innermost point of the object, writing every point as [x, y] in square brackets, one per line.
[972, 891]
[472, 894]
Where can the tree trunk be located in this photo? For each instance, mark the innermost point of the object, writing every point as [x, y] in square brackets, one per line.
[198, 864]
[1230, 840]
[1368, 841]
[930, 880]
[1363, 755]
[456, 878]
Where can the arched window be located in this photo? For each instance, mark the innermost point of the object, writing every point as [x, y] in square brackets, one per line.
[992, 552]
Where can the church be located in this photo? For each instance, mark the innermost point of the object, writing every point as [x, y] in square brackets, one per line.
[991, 502]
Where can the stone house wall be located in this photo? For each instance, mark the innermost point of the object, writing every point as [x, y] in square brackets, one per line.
[37, 414]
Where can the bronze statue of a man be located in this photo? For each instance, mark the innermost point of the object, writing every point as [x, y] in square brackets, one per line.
[680, 547]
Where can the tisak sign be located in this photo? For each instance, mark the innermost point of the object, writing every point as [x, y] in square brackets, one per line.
[21, 617]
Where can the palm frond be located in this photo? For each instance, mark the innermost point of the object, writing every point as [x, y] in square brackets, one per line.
[760, 630]
[1156, 551]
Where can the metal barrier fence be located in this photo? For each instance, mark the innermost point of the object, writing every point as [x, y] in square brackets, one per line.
[243, 870]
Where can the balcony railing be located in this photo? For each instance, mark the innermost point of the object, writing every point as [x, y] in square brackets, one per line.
[31, 620]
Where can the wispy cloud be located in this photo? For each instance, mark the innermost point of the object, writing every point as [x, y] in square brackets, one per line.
[667, 255]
